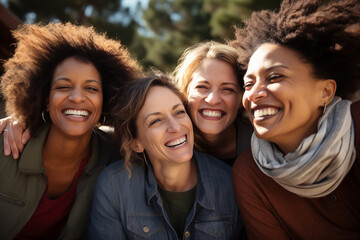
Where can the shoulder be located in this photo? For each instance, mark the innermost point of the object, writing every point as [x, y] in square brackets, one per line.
[245, 169]
[119, 175]
[244, 161]
[208, 161]
[213, 171]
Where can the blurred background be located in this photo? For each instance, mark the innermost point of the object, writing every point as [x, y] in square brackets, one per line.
[155, 31]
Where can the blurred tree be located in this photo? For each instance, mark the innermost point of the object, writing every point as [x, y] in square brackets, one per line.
[105, 15]
[167, 27]
[178, 24]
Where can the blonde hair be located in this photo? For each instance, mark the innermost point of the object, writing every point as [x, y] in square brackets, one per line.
[194, 56]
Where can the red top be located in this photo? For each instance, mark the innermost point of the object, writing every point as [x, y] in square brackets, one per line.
[271, 212]
[51, 215]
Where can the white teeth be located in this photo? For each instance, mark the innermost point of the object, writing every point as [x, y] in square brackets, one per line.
[76, 113]
[209, 113]
[265, 112]
[177, 142]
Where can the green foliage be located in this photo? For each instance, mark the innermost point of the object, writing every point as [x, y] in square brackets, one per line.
[171, 25]
[178, 24]
[85, 12]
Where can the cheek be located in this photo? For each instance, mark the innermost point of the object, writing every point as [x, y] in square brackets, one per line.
[192, 107]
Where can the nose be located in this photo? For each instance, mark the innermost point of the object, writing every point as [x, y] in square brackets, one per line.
[174, 126]
[257, 92]
[213, 98]
[77, 95]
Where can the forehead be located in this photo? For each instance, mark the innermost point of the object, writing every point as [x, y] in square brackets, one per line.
[215, 70]
[159, 99]
[73, 68]
[270, 54]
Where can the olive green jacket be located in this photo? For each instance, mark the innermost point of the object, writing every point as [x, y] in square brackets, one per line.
[23, 182]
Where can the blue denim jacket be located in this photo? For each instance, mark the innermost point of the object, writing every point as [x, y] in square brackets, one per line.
[131, 208]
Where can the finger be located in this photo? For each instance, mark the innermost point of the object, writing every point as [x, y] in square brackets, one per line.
[3, 123]
[26, 136]
[12, 143]
[7, 149]
[17, 131]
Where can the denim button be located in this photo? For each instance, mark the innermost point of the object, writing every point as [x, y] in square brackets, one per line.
[332, 197]
[146, 229]
[187, 234]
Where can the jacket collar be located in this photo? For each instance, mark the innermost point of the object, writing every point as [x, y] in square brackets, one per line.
[31, 161]
[205, 195]
[31, 158]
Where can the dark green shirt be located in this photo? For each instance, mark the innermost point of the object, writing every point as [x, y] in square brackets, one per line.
[178, 205]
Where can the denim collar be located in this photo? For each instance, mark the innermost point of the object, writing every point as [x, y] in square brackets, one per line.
[205, 195]
[31, 161]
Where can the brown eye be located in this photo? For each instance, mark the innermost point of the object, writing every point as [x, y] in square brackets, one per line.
[247, 86]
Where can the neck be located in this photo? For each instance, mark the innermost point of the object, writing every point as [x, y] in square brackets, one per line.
[293, 139]
[63, 150]
[223, 144]
[176, 177]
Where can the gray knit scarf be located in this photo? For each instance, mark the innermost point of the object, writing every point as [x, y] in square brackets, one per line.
[322, 160]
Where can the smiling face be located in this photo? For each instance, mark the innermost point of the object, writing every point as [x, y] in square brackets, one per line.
[283, 99]
[214, 96]
[75, 101]
[164, 129]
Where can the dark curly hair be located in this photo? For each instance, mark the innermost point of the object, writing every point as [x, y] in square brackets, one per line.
[126, 112]
[26, 82]
[325, 34]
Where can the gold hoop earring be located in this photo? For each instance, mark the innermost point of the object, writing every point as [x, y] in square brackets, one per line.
[43, 116]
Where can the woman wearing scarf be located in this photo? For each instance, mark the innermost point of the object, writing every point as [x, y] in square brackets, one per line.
[301, 178]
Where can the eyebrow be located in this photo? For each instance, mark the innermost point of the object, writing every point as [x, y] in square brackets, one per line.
[158, 113]
[268, 69]
[68, 80]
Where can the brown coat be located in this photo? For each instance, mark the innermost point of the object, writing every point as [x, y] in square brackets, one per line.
[271, 212]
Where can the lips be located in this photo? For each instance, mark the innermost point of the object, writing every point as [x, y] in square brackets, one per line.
[264, 112]
[176, 142]
[76, 113]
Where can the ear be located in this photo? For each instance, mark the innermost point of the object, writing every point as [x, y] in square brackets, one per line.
[328, 91]
[136, 146]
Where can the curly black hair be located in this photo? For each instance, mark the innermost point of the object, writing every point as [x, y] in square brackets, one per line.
[26, 82]
[326, 34]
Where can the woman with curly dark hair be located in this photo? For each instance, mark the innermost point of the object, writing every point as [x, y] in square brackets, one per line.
[60, 84]
[301, 178]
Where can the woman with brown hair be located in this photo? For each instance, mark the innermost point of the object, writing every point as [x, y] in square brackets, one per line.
[301, 178]
[209, 75]
[60, 84]
[163, 189]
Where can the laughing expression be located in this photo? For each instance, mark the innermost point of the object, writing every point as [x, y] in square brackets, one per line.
[214, 96]
[164, 129]
[75, 101]
[281, 96]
